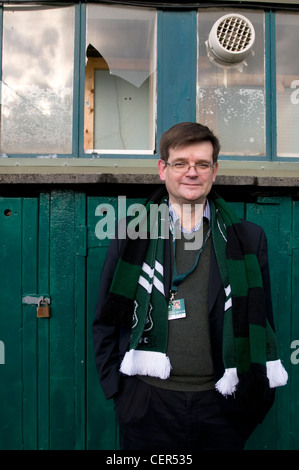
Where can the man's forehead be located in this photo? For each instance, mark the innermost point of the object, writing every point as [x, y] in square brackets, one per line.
[185, 150]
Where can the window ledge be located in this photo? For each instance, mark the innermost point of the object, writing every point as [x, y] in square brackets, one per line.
[137, 171]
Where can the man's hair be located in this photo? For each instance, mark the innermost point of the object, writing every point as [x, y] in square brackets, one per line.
[187, 133]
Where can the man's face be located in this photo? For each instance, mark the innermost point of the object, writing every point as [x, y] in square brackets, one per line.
[189, 187]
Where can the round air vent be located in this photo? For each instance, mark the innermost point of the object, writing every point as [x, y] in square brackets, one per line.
[231, 38]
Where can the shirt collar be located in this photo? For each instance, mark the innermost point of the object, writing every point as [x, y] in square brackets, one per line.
[176, 219]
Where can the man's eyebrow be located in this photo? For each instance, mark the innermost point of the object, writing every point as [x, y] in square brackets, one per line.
[184, 159]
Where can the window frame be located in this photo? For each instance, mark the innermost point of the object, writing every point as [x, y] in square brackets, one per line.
[114, 153]
[165, 117]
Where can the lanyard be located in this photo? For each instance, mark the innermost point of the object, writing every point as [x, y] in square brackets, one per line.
[177, 279]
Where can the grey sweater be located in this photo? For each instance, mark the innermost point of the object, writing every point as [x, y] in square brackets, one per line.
[189, 348]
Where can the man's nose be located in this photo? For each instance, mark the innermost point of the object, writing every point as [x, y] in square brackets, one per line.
[191, 171]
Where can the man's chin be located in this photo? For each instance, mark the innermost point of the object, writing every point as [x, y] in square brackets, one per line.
[193, 197]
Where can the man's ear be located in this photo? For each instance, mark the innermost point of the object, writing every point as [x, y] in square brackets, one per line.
[161, 168]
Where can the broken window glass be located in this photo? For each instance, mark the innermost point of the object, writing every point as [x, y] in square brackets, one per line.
[120, 79]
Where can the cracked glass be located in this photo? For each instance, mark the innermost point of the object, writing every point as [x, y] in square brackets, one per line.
[120, 80]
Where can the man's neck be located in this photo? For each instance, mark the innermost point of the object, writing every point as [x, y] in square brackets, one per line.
[190, 214]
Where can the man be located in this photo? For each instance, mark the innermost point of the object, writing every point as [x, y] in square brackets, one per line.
[183, 332]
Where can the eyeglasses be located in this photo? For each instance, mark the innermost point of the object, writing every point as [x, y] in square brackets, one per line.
[184, 167]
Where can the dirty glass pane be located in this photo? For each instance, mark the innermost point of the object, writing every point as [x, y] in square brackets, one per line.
[120, 79]
[287, 84]
[231, 99]
[37, 80]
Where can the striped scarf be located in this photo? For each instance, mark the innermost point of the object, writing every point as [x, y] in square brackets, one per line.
[137, 298]
[249, 348]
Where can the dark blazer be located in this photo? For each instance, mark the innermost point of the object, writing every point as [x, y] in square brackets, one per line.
[111, 342]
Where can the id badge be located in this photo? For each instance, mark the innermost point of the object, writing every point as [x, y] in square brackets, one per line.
[176, 309]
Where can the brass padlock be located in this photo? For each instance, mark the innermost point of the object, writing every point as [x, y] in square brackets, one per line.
[43, 309]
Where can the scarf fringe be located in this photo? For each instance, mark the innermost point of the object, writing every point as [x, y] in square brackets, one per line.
[227, 385]
[276, 374]
[154, 364]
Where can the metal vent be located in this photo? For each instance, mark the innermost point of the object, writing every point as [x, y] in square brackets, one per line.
[231, 38]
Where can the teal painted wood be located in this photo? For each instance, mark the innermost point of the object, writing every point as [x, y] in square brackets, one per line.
[101, 423]
[80, 319]
[11, 429]
[78, 103]
[176, 75]
[43, 403]
[270, 82]
[239, 208]
[274, 215]
[282, 262]
[29, 235]
[42, 391]
[63, 326]
[23, 237]
[294, 352]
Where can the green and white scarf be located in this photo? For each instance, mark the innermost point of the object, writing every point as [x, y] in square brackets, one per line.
[137, 298]
[249, 348]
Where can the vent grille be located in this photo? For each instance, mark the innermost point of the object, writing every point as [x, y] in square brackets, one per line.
[234, 34]
[231, 38]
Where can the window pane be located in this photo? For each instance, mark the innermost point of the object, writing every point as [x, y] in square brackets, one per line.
[37, 80]
[231, 100]
[287, 84]
[120, 79]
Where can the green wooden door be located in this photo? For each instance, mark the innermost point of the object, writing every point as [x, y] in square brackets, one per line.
[19, 222]
[42, 381]
[50, 396]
